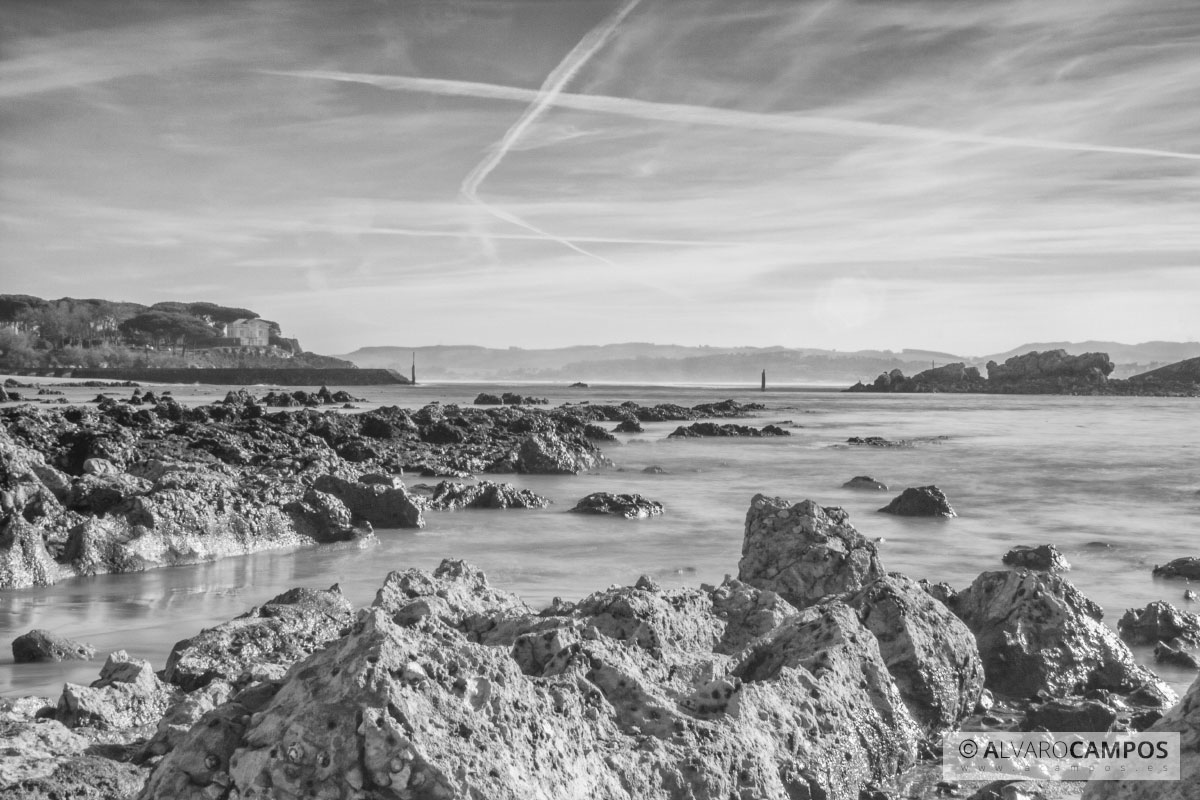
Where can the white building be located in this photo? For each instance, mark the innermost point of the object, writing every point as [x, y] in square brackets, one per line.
[249, 332]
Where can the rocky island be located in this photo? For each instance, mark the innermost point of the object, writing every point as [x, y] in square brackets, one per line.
[1050, 372]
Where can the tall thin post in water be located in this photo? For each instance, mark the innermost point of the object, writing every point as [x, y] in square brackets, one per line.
[764, 381]
[414, 368]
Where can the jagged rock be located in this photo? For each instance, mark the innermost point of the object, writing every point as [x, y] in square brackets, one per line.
[1009, 789]
[1045, 558]
[43, 760]
[630, 506]
[1184, 719]
[1187, 567]
[324, 518]
[629, 426]
[929, 652]
[925, 501]
[486, 494]
[804, 552]
[427, 697]
[24, 559]
[865, 482]
[99, 493]
[40, 646]
[1159, 622]
[264, 641]
[127, 695]
[1037, 633]
[182, 714]
[654, 470]
[548, 454]
[1071, 714]
[382, 506]
[485, 399]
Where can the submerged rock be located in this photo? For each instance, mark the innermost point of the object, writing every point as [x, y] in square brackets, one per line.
[925, 501]
[1038, 634]
[1045, 558]
[804, 552]
[41, 646]
[629, 426]
[865, 482]
[630, 506]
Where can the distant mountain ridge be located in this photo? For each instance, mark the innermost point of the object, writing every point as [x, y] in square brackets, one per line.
[644, 362]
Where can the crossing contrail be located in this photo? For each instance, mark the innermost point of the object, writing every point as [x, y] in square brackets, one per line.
[551, 88]
[725, 118]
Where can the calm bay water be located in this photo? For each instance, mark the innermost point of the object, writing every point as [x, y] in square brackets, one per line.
[1111, 481]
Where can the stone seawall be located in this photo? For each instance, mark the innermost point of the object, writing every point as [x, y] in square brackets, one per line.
[232, 376]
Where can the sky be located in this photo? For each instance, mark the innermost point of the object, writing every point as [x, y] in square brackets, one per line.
[957, 175]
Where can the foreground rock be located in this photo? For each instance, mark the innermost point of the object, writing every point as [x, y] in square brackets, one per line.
[629, 506]
[930, 653]
[262, 643]
[448, 688]
[1037, 634]
[1045, 558]
[127, 695]
[1183, 719]
[804, 552]
[42, 646]
[925, 501]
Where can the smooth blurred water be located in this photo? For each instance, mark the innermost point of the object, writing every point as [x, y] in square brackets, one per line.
[1111, 481]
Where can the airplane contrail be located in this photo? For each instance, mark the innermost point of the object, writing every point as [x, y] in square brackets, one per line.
[720, 117]
[580, 54]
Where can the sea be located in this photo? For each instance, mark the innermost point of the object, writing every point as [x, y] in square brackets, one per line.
[1112, 481]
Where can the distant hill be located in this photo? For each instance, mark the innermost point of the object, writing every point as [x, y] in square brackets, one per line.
[638, 362]
[1130, 359]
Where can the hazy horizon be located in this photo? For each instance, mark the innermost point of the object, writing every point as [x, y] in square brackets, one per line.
[959, 178]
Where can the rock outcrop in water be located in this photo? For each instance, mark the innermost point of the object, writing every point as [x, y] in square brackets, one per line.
[629, 506]
[1187, 567]
[924, 501]
[43, 646]
[1045, 558]
[701, 429]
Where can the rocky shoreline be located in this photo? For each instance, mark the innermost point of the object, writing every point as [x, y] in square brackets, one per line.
[813, 673]
[146, 482]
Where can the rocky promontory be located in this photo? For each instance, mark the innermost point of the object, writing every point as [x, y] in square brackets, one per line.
[1049, 372]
